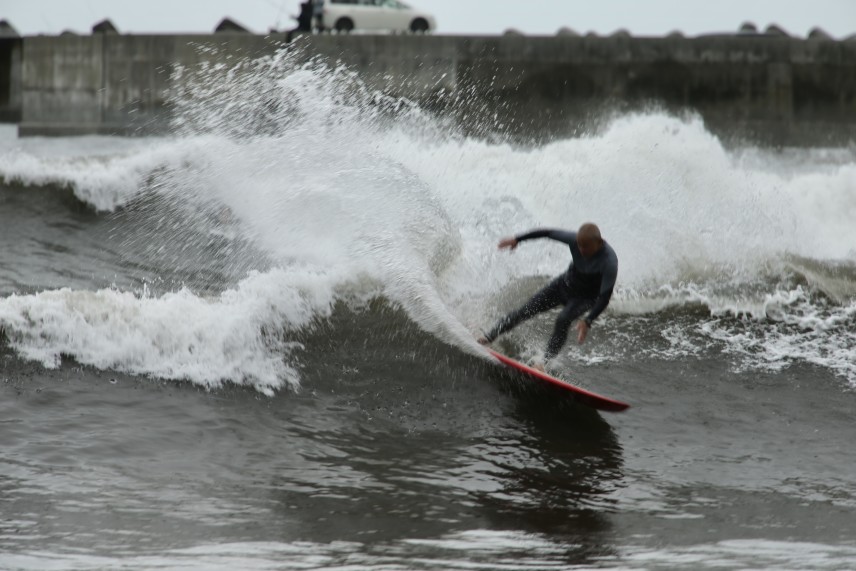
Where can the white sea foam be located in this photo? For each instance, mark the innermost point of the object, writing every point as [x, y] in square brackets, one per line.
[343, 200]
[105, 173]
[234, 337]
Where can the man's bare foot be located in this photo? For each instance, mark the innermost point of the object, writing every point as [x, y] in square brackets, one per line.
[539, 366]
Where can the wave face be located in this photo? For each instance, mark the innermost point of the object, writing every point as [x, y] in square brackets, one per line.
[343, 196]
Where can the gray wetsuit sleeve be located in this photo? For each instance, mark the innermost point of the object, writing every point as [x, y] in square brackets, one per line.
[563, 236]
[607, 284]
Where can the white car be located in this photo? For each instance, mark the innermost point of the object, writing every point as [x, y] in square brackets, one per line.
[393, 15]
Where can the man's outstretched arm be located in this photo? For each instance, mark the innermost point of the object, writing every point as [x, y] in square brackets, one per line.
[563, 236]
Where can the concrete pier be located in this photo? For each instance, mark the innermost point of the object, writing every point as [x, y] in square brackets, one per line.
[10, 73]
[774, 89]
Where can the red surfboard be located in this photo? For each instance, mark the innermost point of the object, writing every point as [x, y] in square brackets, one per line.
[589, 398]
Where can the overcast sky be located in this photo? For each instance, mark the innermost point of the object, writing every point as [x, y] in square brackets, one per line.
[640, 17]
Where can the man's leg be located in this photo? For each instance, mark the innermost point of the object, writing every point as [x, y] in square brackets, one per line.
[574, 308]
[547, 298]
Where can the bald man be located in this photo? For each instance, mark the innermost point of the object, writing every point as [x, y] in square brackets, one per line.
[586, 286]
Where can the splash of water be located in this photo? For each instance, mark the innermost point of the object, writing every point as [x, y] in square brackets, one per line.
[350, 194]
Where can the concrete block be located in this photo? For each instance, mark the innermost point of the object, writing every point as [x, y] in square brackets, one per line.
[104, 27]
[7, 31]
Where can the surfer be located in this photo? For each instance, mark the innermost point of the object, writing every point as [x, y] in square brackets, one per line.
[586, 286]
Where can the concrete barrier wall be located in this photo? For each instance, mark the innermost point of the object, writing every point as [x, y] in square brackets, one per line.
[774, 88]
[62, 84]
[111, 84]
[10, 79]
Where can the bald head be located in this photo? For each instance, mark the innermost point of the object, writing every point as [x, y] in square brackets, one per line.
[589, 231]
[588, 239]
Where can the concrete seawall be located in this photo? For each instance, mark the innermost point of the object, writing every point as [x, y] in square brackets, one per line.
[774, 89]
[10, 78]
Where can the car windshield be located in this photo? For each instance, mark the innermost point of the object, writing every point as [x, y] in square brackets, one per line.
[396, 4]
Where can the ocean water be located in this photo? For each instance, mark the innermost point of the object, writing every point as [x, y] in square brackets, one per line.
[249, 344]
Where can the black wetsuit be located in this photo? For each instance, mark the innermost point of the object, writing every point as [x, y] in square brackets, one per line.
[586, 286]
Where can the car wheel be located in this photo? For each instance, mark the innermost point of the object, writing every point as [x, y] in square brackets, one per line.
[344, 25]
[419, 25]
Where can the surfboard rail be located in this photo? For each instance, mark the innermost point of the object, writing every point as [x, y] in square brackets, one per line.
[587, 397]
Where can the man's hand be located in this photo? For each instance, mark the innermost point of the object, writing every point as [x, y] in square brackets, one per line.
[509, 243]
[583, 329]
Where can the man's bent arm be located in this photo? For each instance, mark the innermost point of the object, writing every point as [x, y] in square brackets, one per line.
[599, 305]
[607, 284]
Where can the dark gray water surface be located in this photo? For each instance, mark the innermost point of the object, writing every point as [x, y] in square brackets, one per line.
[426, 460]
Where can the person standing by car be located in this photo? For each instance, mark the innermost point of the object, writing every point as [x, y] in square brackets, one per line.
[318, 14]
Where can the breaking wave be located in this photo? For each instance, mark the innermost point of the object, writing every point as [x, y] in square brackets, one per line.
[351, 195]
